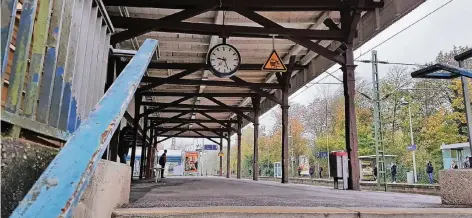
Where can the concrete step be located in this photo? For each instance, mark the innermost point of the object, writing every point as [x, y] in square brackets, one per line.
[287, 212]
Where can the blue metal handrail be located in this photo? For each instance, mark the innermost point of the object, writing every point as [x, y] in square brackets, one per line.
[59, 188]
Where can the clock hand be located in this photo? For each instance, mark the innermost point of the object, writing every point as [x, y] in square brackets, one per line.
[226, 65]
[220, 59]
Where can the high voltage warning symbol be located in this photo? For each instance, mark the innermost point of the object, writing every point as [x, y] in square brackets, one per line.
[274, 63]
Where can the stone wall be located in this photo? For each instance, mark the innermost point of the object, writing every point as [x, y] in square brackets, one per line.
[22, 164]
[108, 189]
[456, 186]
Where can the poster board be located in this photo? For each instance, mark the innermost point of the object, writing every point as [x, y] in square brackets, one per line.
[191, 163]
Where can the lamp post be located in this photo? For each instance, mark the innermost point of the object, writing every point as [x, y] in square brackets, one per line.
[404, 102]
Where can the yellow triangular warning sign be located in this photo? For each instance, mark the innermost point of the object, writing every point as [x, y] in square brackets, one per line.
[274, 63]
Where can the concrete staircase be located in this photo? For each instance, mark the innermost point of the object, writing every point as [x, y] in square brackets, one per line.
[287, 212]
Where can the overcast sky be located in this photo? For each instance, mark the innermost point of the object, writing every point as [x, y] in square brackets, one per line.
[449, 26]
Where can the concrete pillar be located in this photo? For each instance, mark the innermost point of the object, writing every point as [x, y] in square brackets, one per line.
[350, 117]
[239, 147]
[256, 102]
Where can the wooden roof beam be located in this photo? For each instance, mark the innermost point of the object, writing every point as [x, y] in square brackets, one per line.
[180, 94]
[211, 107]
[175, 66]
[181, 120]
[237, 83]
[229, 30]
[259, 5]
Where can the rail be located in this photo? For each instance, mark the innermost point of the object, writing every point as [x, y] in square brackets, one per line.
[60, 187]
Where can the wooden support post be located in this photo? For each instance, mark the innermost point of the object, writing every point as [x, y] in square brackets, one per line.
[137, 106]
[114, 143]
[221, 157]
[143, 147]
[350, 117]
[228, 155]
[239, 147]
[285, 106]
[285, 157]
[150, 156]
[256, 102]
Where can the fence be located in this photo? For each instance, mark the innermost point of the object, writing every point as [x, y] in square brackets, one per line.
[59, 188]
[54, 63]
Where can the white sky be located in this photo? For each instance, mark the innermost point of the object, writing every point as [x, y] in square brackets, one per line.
[449, 26]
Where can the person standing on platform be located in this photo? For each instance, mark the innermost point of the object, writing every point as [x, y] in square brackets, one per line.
[125, 142]
[466, 162]
[430, 170]
[393, 169]
[375, 173]
[162, 162]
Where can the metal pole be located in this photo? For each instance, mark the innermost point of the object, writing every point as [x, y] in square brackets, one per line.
[292, 159]
[468, 113]
[412, 143]
[327, 139]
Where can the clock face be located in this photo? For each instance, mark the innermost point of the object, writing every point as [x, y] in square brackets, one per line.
[224, 60]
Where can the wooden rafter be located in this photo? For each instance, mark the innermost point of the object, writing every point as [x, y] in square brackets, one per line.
[259, 5]
[304, 42]
[166, 80]
[229, 30]
[237, 82]
[144, 28]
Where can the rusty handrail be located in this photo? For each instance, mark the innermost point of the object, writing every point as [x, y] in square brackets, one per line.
[59, 188]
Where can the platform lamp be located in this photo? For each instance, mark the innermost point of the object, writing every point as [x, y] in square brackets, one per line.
[445, 71]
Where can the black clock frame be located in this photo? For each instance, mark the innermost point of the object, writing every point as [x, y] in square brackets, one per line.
[216, 72]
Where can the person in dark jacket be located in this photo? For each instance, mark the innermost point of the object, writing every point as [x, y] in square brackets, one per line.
[311, 171]
[125, 142]
[162, 162]
[375, 173]
[320, 171]
[429, 171]
[393, 169]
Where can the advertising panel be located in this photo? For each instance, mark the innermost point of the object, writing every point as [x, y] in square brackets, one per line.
[191, 162]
